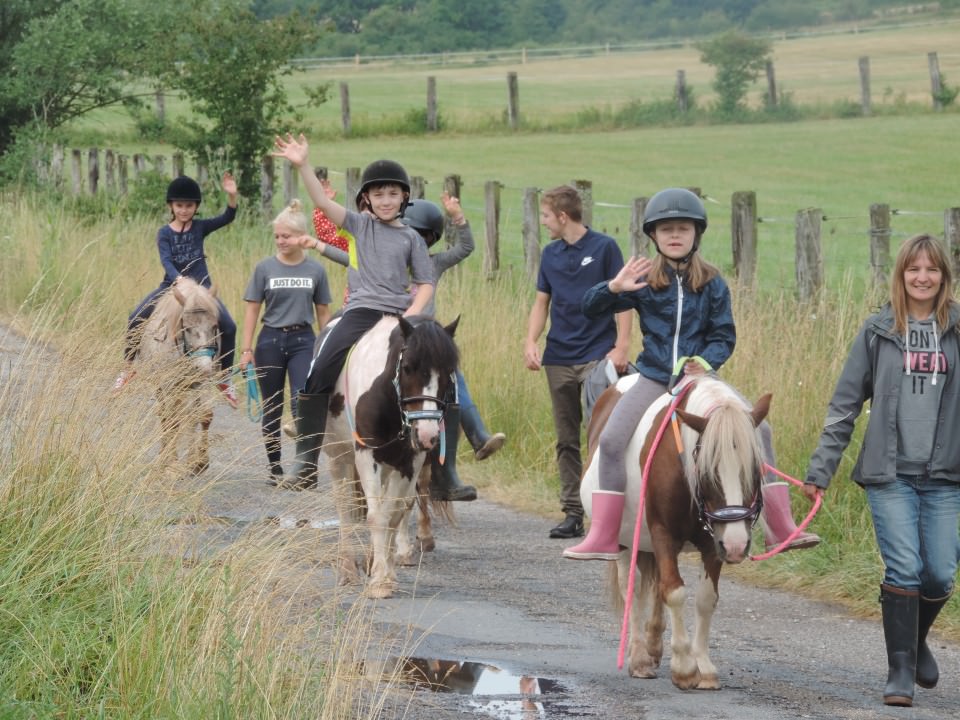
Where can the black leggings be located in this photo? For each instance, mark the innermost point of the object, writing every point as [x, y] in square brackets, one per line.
[280, 355]
[335, 346]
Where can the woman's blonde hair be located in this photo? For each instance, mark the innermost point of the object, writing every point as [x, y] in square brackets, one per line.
[292, 217]
[937, 255]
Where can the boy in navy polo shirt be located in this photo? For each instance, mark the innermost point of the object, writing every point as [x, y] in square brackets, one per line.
[577, 259]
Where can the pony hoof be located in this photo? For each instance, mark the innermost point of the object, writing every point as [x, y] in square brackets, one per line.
[380, 591]
[709, 682]
[200, 468]
[685, 681]
[643, 673]
[427, 544]
[405, 560]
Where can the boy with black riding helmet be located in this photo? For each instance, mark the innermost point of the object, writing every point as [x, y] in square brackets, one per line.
[427, 219]
[180, 244]
[684, 308]
[385, 258]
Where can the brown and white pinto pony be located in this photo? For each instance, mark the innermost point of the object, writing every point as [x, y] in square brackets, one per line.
[703, 496]
[178, 348]
[384, 417]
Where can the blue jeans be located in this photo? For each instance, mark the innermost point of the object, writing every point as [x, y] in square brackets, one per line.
[915, 520]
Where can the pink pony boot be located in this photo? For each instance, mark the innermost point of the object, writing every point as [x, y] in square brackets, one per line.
[602, 541]
[778, 521]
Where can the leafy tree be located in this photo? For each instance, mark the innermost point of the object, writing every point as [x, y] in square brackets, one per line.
[229, 66]
[60, 59]
[739, 59]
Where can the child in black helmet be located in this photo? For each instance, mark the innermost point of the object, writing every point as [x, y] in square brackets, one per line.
[180, 244]
[685, 311]
[427, 219]
[385, 258]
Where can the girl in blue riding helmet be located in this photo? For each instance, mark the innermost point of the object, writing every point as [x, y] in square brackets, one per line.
[684, 308]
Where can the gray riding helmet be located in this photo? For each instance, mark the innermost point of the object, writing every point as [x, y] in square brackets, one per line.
[674, 204]
[424, 215]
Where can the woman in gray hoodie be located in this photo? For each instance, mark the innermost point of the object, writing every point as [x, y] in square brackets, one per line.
[905, 362]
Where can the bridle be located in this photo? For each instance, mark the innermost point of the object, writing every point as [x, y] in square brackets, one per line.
[210, 350]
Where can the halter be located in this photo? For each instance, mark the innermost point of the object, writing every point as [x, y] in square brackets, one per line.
[202, 351]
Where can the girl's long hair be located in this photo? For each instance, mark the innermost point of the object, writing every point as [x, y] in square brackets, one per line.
[898, 290]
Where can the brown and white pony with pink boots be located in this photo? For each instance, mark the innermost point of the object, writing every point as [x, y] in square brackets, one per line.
[702, 493]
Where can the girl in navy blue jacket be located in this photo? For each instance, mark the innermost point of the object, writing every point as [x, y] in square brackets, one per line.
[685, 311]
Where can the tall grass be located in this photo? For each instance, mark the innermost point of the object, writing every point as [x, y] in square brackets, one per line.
[114, 600]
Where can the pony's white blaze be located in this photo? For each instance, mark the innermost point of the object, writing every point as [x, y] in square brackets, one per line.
[427, 432]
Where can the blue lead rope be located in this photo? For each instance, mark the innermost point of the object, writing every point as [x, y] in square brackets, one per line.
[254, 404]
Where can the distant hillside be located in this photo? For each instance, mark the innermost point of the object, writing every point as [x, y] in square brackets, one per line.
[384, 27]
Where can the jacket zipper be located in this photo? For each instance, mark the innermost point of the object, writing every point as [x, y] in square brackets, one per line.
[676, 332]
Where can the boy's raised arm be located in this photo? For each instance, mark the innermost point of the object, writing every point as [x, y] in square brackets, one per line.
[296, 151]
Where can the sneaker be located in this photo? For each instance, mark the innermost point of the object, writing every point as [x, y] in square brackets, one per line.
[290, 429]
[229, 394]
[122, 380]
[571, 527]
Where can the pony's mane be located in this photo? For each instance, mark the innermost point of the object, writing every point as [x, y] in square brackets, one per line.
[730, 438]
[196, 299]
[429, 343]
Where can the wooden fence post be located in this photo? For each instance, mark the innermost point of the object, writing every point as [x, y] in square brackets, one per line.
[417, 184]
[864, 63]
[491, 193]
[109, 167]
[951, 238]
[160, 164]
[771, 86]
[139, 165]
[513, 101]
[345, 108]
[267, 177]
[352, 178]
[122, 174]
[56, 166]
[432, 125]
[683, 98]
[936, 83]
[743, 232]
[809, 257]
[880, 243]
[452, 185]
[530, 231]
[161, 107]
[178, 165]
[76, 167]
[289, 183]
[639, 242]
[585, 191]
[93, 170]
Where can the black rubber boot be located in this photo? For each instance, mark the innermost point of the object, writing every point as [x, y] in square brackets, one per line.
[445, 483]
[900, 612]
[928, 674]
[311, 420]
[483, 443]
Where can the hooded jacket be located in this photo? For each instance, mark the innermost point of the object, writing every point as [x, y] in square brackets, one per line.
[676, 322]
[873, 372]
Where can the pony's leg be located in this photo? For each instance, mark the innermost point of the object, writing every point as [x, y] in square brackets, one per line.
[641, 663]
[383, 581]
[200, 451]
[683, 666]
[706, 603]
[424, 521]
[650, 581]
[348, 501]
[406, 551]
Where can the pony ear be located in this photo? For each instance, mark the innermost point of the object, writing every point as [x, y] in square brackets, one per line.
[179, 294]
[761, 408]
[452, 327]
[405, 327]
[695, 421]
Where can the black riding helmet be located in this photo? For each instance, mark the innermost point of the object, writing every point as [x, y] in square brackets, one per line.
[184, 188]
[383, 172]
[424, 216]
[675, 204]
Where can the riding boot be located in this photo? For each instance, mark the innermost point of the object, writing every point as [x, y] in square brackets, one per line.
[311, 421]
[445, 483]
[602, 541]
[900, 613]
[778, 521]
[484, 444]
[927, 671]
